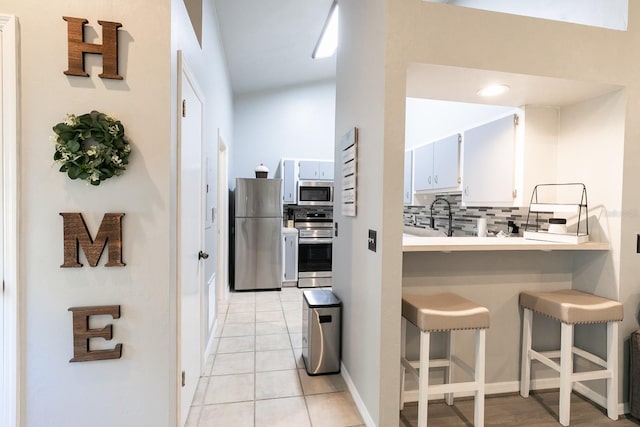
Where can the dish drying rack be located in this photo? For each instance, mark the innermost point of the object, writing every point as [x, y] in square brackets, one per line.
[536, 207]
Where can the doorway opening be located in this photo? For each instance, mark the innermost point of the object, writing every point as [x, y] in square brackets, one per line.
[190, 239]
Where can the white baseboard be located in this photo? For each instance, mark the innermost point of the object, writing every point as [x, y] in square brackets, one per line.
[210, 347]
[536, 384]
[364, 413]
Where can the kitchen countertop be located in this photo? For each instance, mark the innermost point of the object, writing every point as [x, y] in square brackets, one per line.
[413, 243]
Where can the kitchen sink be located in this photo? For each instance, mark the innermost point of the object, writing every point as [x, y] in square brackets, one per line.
[423, 232]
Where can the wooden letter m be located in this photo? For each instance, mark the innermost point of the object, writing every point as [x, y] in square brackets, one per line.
[77, 234]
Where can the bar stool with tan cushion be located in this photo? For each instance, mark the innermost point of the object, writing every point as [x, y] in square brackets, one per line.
[570, 307]
[444, 313]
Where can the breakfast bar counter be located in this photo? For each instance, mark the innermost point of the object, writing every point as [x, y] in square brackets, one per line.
[491, 272]
[413, 243]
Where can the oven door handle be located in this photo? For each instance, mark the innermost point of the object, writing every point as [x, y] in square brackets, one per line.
[315, 240]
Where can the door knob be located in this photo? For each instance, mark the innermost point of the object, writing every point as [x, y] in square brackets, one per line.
[203, 255]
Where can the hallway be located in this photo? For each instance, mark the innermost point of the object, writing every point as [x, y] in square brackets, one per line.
[256, 375]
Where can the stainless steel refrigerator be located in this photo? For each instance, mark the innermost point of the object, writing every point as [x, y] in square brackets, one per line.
[258, 234]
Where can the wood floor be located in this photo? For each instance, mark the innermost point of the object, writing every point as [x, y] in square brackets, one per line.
[509, 410]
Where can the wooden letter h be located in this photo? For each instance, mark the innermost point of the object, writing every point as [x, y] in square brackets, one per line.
[77, 48]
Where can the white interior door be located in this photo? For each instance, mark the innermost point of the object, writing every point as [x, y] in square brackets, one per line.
[9, 223]
[190, 237]
[2, 226]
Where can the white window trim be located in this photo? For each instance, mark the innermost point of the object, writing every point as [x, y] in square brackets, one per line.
[10, 389]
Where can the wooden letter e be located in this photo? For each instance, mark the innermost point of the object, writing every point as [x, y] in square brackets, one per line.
[82, 334]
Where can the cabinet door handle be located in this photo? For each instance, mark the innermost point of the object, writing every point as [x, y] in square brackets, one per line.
[429, 180]
[466, 190]
[436, 179]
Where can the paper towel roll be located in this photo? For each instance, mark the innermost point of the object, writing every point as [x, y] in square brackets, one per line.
[482, 227]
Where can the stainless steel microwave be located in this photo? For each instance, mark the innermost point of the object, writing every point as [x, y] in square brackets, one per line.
[315, 193]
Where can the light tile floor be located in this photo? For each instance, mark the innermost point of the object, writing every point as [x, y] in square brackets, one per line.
[256, 376]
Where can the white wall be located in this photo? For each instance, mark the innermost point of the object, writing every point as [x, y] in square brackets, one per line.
[358, 272]
[140, 388]
[590, 150]
[293, 122]
[54, 390]
[599, 13]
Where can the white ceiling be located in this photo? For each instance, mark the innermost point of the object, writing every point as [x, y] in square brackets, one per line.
[461, 84]
[268, 43]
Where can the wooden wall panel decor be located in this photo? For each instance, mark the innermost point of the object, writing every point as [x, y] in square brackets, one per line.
[77, 234]
[77, 48]
[82, 334]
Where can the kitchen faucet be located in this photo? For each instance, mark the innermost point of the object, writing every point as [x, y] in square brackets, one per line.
[432, 221]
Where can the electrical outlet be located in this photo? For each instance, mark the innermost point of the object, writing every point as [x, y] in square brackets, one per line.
[373, 240]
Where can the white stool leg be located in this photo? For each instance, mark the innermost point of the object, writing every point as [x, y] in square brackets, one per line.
[423, 383]
[403, 355]
[478, 410]
[566, 372]
[448, 397]
[525, 359]
[612, 366]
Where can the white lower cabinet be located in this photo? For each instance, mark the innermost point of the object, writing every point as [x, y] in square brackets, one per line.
[290, 255]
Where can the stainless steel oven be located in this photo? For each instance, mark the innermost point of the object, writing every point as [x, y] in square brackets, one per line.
[315, 245]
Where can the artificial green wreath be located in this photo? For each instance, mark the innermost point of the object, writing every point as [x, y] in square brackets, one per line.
[91, 147]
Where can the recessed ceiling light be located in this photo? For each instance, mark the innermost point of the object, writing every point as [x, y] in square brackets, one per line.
[493, 90]
[328, 42]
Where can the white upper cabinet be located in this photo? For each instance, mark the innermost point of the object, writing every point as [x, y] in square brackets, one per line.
[308, 169]
[326, 170]
[437, 165]
[504, 159]
[446, 162]
[289, 181]
[408, 178]
[489, 163]
[423, 168]
[315, 169]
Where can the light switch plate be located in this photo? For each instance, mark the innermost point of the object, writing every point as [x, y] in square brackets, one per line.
[373, 240]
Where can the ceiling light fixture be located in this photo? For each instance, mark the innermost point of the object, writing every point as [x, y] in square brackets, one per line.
[493, 90]
[328, 42]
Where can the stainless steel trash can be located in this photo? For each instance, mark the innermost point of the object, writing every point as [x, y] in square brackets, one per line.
[321, 323]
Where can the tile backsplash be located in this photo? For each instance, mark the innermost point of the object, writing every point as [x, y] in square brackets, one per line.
[465, 217]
